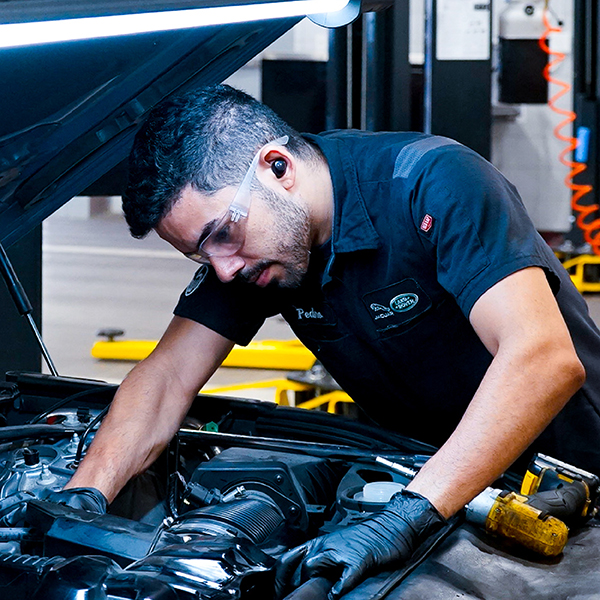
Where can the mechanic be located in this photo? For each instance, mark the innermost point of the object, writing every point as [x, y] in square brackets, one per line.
[405, 262]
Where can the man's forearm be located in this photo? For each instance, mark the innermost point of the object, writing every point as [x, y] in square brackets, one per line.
[143, 418]
[518, 397]
[150, 405]
[484, 445]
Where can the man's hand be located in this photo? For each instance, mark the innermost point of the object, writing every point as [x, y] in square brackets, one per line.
[389, 536]
[81, 498]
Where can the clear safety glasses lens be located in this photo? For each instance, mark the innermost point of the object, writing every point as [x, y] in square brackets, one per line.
[226, 237]
[229, 234]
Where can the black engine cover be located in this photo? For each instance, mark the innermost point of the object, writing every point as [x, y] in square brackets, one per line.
[302, 486]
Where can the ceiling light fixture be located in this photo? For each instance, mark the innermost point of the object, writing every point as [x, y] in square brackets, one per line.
[44, 32]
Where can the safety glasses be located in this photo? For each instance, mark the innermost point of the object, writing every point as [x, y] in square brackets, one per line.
[229, 233]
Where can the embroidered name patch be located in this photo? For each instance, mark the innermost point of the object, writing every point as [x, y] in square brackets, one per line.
[308, 315]
[317, 313]
[313, 318]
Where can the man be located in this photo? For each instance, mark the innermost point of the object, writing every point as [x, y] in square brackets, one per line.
[405, 262]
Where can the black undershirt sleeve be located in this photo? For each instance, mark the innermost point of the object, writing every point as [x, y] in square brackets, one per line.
[235, 310]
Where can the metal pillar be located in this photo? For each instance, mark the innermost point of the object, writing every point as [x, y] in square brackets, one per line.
[369, 72]
[458, 72]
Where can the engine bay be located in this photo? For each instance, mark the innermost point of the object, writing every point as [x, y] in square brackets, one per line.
[241, 483]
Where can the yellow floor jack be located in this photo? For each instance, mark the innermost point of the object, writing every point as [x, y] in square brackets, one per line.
[309, 381]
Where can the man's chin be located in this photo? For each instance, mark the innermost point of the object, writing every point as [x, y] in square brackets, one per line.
[276, 274]
[268, 278]
[292, 279]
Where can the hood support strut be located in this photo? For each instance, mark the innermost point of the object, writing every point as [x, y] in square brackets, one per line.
[23, 305]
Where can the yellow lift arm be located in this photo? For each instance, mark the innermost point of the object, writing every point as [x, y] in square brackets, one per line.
[289, 355]
[578, 268]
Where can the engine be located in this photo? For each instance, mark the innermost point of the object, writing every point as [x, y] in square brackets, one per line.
[207, 521]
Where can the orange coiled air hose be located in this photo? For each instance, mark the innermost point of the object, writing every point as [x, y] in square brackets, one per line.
[590, 228]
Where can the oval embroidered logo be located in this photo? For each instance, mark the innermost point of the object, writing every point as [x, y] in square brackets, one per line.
[197, 280]
[403, 302]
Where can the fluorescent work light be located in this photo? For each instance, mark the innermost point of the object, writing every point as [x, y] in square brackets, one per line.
[45, 32]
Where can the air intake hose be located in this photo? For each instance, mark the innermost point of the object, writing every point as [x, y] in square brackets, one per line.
[252, 519]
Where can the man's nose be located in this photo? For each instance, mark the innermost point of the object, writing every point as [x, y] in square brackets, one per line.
[227, 267]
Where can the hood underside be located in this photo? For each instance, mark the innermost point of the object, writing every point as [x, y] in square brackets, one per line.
[69, 111]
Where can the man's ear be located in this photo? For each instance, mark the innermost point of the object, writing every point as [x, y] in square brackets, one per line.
[278, 165]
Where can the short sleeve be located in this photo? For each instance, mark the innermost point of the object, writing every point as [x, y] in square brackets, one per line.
[236, 310]
[466, 211]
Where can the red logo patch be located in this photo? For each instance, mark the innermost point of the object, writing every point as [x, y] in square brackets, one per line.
[426, 223]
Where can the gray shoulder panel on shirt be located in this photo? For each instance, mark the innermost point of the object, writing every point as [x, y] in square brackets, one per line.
[410, 155]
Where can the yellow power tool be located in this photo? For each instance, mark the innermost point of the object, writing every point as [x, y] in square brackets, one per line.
[511, 516]
[554, 495]
[563, 490]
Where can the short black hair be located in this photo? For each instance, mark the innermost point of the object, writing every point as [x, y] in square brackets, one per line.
[206, 138]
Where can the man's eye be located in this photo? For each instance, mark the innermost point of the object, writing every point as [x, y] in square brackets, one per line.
[223, 235]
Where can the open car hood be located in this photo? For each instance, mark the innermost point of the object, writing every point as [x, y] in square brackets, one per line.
[69, 111]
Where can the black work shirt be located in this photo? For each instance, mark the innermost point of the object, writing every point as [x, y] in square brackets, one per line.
[422, 228]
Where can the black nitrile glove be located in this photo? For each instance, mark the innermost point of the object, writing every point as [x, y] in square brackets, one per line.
[82, 498]
[389, 536]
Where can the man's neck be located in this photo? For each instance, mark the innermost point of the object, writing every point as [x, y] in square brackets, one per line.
[317, 193]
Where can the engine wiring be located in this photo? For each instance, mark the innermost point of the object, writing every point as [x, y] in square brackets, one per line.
[583, 212]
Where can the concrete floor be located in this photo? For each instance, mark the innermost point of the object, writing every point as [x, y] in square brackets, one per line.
[96, 276]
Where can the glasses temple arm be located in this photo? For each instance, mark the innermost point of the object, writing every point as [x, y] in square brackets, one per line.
[240, 204]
